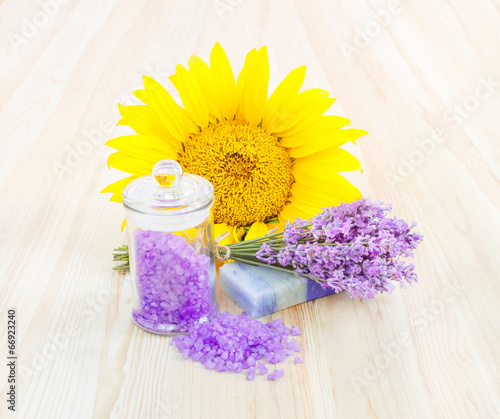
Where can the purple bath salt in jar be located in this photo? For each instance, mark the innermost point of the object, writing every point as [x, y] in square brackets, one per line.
[171, 249]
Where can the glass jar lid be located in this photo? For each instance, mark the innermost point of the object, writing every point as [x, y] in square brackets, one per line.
[168, 191]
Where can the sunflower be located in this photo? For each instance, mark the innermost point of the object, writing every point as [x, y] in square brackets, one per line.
[270, 159]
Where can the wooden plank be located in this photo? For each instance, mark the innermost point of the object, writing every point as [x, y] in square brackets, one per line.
[422, 77]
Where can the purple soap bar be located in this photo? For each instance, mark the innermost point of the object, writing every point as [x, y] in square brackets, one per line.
[261, 291]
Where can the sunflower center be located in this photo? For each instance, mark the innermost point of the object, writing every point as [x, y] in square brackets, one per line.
[251, 172]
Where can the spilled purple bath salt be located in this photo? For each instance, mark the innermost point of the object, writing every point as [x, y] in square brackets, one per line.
[232, 342]
[262, 368]
[174, 285]
[293, 345]
[276, 374]
[251, 373]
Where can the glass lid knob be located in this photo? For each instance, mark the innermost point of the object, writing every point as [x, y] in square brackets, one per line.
[167, 173]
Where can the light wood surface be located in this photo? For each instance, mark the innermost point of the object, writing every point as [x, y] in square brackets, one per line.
[422, 77]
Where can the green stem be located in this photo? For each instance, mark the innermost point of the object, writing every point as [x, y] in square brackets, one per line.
[254, 262]
[291, 270]
[256, 243]
[120, 254]
[264, 238]
[260, 240]
[241, 254]
[124, 267]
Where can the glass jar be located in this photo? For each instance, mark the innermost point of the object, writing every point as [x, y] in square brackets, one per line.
[171, 250]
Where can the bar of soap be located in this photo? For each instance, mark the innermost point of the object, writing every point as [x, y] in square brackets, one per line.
[260, 291]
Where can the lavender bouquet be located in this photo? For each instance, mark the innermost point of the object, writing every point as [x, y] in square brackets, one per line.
[354, 247]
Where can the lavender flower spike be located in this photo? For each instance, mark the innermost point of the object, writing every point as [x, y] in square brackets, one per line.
[355, 247]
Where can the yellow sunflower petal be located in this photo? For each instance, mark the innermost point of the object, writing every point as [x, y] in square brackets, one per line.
[334, 183]
[189, 84]
[334, 139]
[223, 87]
[290, 212]
[309, 208]
[252, 86]
[282, 223]
[143, 120]
[141, 95]
[190, 234]
[171, 114]
[241, 81]
[130, 164]
[200, 69]
[117, 187]
[206, 85]
[116, 197]
[327, 161]
[316, 197]
[124, 224]
[221, 229]
[238, 233]
[283, 94]
[325, 125]
[258, 229]
[143, 147]
[300, 113]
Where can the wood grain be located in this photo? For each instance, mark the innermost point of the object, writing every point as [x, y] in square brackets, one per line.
[422, 77]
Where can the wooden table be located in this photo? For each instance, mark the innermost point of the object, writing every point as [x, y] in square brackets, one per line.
[421, 77]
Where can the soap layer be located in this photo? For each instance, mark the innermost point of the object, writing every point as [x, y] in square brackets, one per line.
[260, 291]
